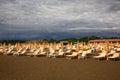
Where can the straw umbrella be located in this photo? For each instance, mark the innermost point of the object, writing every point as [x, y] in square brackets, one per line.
[4, 46]
[77, 46]
[62, 45]
[106, 46]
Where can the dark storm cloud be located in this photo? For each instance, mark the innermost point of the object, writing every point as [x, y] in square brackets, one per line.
[6, 1]
[59, 15]
[115, 7]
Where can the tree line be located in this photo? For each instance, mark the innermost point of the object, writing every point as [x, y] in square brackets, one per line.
[81, 39]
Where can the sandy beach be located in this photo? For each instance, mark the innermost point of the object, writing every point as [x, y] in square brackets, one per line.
[42, 68]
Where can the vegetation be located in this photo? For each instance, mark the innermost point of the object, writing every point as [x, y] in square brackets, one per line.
[12, 41]
[82, 39]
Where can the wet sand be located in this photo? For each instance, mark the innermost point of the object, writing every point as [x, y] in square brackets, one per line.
[42, 68]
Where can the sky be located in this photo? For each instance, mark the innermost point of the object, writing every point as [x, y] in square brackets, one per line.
[38, 19]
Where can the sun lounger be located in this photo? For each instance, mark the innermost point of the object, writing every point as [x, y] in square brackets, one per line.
[102, 55]
[73, 55]
[115, 56]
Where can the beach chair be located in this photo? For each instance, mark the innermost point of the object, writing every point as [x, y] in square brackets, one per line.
[118, 49]
[68, 51]
[80, 51]
[102, 55]
[1, 51]
[22, 53]
[17, 52]
[83, 55]
[30, 52]
[52, 53]
[115, 56]
[8, 51]
[61, 53]
[36, 53]
[42, 53]
[111, 52]
[72, 56]
[89, 51]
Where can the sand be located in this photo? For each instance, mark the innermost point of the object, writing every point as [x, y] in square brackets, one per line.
[42, 68]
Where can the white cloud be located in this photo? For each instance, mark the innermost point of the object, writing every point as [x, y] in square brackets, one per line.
[94, 29]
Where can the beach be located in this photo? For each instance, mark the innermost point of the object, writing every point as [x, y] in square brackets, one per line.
[43, 68]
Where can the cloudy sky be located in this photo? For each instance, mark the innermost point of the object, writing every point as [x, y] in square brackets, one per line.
[30, 19]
